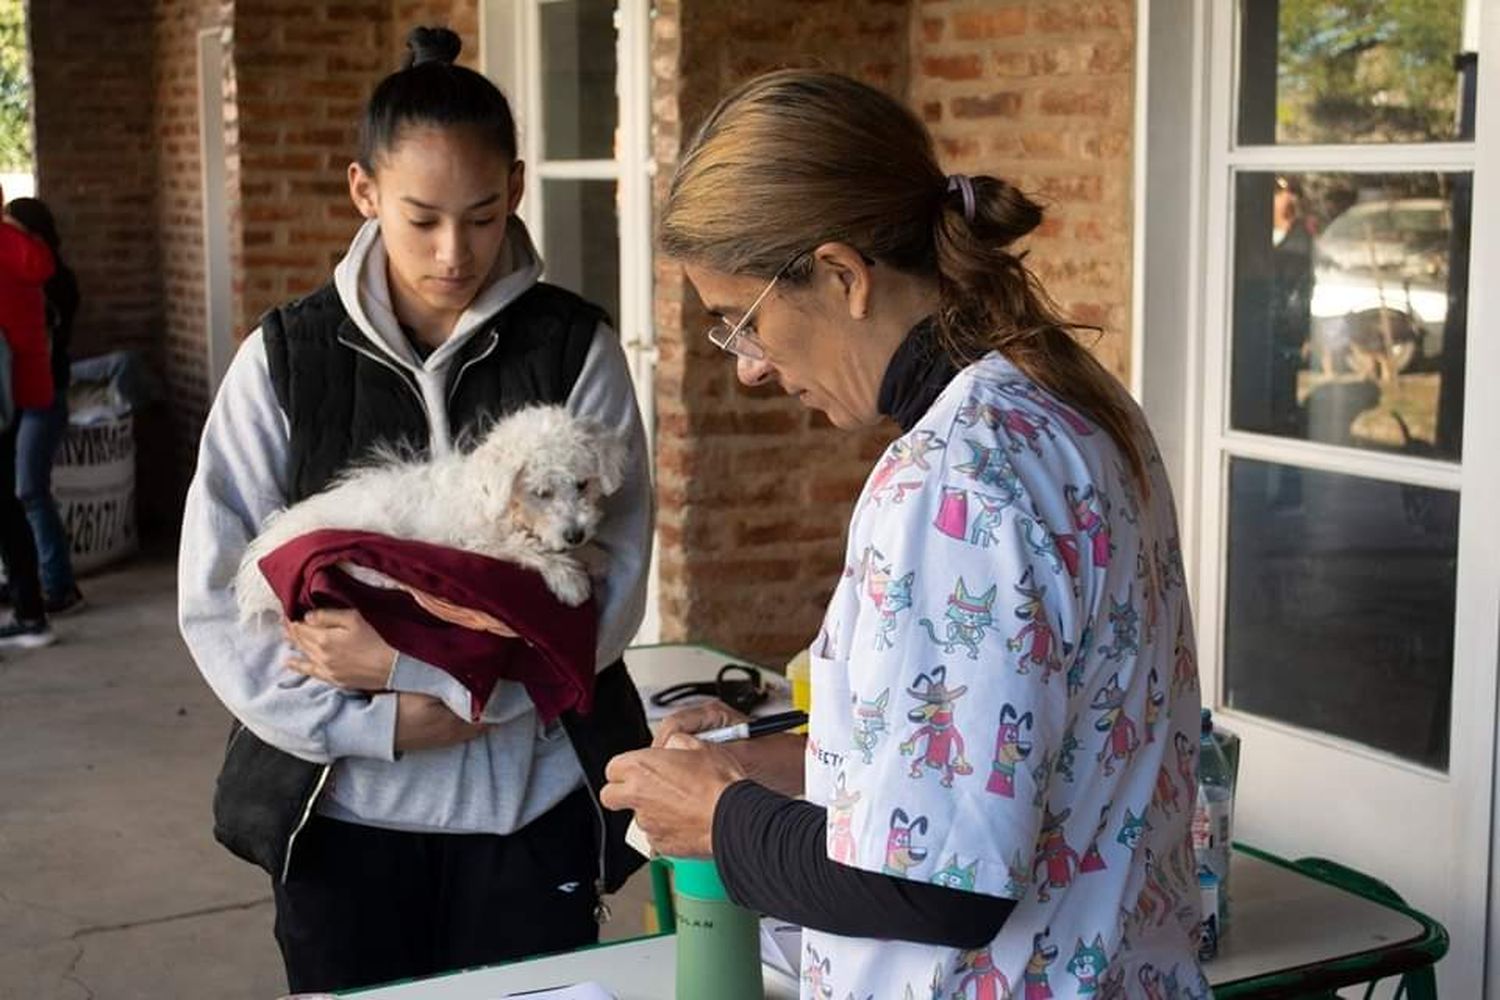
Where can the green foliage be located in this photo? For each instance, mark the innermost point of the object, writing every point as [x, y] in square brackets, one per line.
[1371, 70]
[15, 88]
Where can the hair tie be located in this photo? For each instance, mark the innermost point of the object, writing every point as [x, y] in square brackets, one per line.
[963, 183]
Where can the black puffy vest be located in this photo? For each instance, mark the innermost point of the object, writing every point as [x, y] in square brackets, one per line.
[343, 397]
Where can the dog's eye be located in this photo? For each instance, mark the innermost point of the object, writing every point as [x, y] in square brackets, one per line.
[542, 493]
[581, 485]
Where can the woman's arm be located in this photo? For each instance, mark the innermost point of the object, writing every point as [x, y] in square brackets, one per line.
[239, 482]
[772, 854]
[605, 393]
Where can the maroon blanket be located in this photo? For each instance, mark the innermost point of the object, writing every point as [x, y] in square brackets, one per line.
[553, 658]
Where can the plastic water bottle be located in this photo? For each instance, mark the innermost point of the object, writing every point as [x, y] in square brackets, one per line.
[1213, 831]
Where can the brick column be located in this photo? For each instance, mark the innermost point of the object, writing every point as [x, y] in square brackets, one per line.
[754, 490]
[1041, 93]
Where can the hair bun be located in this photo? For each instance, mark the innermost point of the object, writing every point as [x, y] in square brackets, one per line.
[432, 45]
[1005, 213]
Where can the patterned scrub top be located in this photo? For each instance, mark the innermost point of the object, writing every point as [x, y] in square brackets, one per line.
[1005, 701]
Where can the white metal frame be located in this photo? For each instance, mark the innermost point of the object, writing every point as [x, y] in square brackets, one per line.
[510, 34]
[218, 277]
[1185, 143]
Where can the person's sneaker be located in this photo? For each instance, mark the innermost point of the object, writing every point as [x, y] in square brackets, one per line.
[65, 604]
[18, 633]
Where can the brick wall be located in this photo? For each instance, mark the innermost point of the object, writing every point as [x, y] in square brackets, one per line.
[1040, 92]
[460, 15]
[96, 162]
[305, 71]
[754, 491]
[116, 116]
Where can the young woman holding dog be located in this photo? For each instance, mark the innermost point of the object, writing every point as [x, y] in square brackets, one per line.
[997, 797]
[403, 840]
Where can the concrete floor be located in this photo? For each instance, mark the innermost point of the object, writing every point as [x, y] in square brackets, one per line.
[111, 886]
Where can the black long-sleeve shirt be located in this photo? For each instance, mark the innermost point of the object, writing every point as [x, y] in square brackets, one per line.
[771, 851]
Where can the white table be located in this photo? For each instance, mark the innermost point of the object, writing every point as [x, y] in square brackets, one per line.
[656, 667]
[642, 969]
[1282, 919]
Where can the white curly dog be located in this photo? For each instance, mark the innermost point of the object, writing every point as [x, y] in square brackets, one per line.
[529, 493]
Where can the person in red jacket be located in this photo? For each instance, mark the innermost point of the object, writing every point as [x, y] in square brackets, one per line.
[25, 265]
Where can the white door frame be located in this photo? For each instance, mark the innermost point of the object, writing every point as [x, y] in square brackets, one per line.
[1184, 157]
[218, 276]
[510, 54]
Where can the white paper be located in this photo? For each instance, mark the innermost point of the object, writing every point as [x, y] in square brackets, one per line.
[780, 945]
[636, 838]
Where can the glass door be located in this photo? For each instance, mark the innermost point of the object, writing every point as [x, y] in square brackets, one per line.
[577, 73]
[1335, 535]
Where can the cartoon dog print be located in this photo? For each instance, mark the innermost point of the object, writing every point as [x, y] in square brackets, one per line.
[1036, 641]
[1011, 748]
[841, 844]
[1055, 859]
[901, 852]
[907, 453]
[1034, 980]
[816, 971]
[981, 979]
[889, 595]
[944, 750]
[1120, 739]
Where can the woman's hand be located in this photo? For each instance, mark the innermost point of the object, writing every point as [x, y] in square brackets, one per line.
[778, 761]
[674, 791]
[342, 649]
[425, 723]
[712, 714]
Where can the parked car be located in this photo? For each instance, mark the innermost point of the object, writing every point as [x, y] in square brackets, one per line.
[1380, 292]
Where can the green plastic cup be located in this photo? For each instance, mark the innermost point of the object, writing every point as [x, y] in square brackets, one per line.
[718, 943]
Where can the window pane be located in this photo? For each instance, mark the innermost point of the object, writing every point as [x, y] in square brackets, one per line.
[1312, 71]
[1350, 309]
[1339, 610]
[578, 66]
[582, 240]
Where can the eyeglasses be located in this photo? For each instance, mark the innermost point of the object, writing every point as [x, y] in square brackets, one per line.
[739, 339]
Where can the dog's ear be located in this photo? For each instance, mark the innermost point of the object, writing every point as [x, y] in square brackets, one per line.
[611, 451]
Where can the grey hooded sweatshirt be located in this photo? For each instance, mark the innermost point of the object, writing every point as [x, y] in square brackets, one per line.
[519, 769]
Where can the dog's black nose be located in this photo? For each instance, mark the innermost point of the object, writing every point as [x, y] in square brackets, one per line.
[573, 536]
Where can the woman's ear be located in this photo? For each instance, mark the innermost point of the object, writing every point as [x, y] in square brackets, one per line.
[851, 270]
[516, 186]
[362, 191]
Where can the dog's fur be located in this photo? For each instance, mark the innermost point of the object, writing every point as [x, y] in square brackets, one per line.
[528, 493]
